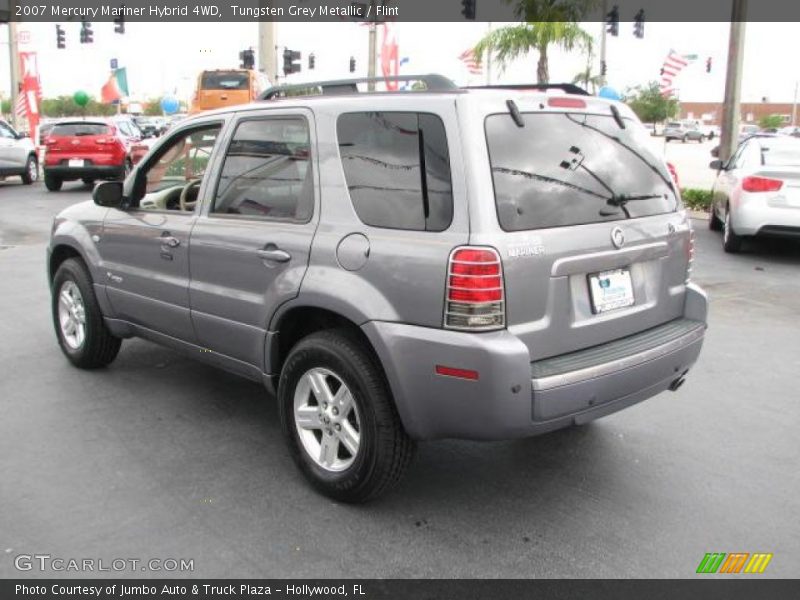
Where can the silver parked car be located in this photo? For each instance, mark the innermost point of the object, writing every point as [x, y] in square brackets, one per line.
[684, 132]
[17, 155]
[757, 192]
[395, 266]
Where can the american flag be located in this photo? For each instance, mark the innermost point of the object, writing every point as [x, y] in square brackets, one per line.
[471, 62]
[673, 65]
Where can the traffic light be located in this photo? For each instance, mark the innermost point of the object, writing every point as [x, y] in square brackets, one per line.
[87, 35]
[708, 65]
[61, 41]
[612, 21]
[638, 24]
[468, 9]
[352, 64]
[311, 61]
[289, 64]
[119, 24]
[247, 59]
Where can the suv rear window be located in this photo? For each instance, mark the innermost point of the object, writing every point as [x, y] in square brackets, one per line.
[75, 129]
[572, 168]
[225, 80]
[397, 169]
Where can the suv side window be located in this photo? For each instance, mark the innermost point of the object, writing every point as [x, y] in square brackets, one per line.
[267, 171]
[397, 169]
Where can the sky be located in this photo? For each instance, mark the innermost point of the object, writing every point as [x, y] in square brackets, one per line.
[165, 58]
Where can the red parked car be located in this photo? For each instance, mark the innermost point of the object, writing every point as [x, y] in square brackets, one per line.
[87, 150]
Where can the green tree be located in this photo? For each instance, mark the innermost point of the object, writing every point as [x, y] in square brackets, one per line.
[585, 78]
[546, 23]
[152, 108]
[650, 105]
[770, 122]
[64, 106]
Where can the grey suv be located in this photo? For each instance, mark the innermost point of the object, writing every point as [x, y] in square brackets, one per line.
[482, 264]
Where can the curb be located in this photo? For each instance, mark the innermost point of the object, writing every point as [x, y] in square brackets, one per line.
[700, 215]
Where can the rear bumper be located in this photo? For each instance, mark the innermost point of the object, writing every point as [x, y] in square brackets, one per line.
[765, 216]
[90, 171]
[513, 398]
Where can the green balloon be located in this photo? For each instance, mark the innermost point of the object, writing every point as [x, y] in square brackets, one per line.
[81, 98]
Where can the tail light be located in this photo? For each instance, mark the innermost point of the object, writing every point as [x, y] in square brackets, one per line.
[673, 172]
[761, 184]
[475, 292]
[689, 255]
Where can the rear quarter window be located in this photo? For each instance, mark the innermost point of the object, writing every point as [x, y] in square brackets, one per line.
[397, 169]
[565, 169]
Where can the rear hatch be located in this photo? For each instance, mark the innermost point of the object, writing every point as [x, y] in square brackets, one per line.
[81, 139]
[222, 88]
[595, 246]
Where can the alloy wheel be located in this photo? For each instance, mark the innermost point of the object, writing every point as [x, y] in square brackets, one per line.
[71, 315]
[327, 420]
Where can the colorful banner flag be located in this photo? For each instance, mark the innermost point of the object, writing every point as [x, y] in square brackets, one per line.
[116, 87]
[390, 60]
[30, 91]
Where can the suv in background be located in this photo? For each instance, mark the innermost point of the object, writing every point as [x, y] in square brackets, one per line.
[17, 155]
[88, 150]
[683, 132]
[397, 266]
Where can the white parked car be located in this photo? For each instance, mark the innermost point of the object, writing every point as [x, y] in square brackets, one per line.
[757, 192]
[17, 154]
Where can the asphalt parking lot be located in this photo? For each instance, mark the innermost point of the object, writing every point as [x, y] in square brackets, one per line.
[159, 456]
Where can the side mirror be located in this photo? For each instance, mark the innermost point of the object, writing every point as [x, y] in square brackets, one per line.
[108, 194]
[717, 165]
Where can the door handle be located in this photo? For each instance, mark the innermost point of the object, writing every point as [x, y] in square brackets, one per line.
[273, 253]
[169, 241]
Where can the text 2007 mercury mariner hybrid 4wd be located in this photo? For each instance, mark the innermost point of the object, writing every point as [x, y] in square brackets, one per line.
[449, 263]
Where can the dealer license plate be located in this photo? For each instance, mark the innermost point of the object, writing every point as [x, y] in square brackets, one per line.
[75, 162]
[611, 290]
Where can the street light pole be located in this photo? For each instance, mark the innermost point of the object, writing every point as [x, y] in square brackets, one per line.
[266, 50]
[733, 82]
[13, 57]
[603, 42]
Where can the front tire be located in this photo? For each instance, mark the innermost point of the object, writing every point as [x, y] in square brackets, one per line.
[731, 242]
[52, 183]
[339, 418]
[31, 173]
[82, 335]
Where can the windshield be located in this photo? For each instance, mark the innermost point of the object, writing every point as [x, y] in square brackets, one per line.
[674, 125]
[571, 168]
[225, 80]
[79, 129]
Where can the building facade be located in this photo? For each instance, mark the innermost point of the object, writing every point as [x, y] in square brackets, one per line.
[710, 113]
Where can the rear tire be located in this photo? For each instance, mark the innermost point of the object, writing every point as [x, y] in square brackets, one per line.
[52, 183]
[683, 139]
[82, 334]
[325, 371]
[88, 181]
[731, 242]
[714, 223]
[31, 173]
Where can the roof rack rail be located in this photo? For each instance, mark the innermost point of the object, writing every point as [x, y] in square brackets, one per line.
[432, 81]
[569, 88]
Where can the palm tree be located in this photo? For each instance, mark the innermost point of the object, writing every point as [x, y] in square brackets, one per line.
[585, 77]
[547, 22]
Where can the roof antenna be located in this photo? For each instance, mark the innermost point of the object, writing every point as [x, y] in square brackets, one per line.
[515, 114]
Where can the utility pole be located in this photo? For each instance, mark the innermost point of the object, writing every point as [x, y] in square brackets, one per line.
[604, 10]
[794, 106]
[373, 52]
[266, 50]
[733, 82]
[13, 57]
[488, 57]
